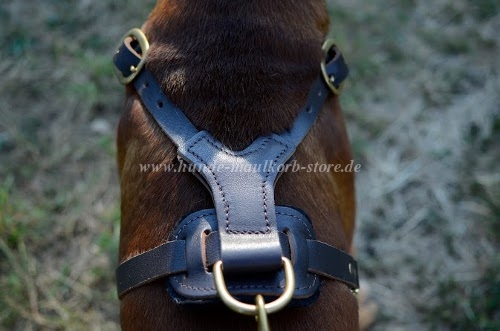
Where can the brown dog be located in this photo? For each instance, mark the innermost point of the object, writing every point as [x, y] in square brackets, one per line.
[239, 70]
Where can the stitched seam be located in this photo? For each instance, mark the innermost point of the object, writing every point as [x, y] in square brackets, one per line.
[226, 205]
[240, 286]
[268, 228]
[248, 231]
[264, 183]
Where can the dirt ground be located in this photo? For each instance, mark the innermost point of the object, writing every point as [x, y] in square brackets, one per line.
[423, 109]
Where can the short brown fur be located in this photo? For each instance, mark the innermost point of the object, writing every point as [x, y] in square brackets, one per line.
[238, 69]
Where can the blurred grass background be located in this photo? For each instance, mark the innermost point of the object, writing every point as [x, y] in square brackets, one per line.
[423, 109]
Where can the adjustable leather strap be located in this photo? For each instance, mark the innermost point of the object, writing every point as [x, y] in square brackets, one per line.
[335, 66]
[330, 262]
[183, 259]
[170, 118]
[164, 260]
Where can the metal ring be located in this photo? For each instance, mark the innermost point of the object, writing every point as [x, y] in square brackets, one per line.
[327, 45]
[138, 35]
[248, 309]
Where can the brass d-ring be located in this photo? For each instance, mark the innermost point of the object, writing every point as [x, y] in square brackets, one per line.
[329, 79]
[248, 309]
[138, 35]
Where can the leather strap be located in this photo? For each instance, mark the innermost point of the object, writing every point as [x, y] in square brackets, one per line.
[161, 261]
[170, 258]
[170, 118]
[328, 261]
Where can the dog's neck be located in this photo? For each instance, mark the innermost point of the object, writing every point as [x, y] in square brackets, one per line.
[238, 69]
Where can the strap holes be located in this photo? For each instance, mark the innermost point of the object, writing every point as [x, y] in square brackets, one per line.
[309, 109]
[160, 104]
[146, 84]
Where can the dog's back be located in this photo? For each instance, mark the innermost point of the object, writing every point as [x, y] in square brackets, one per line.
[239, 70]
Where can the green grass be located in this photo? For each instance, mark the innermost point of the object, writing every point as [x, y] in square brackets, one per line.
[59, 219]
[414, 66]
[468, 306]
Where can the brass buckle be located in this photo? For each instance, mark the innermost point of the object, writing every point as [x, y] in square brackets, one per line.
[329, 79]
[138, 35]
[257, 309]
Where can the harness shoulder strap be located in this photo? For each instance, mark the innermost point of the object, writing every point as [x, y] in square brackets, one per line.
[169, 117]
[179, 128]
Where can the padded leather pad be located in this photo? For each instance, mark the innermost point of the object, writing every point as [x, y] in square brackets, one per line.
[197, 283]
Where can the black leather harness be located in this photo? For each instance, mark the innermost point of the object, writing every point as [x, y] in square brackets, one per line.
[245, 230]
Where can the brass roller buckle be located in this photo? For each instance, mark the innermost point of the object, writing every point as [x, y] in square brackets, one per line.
[138, 35]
